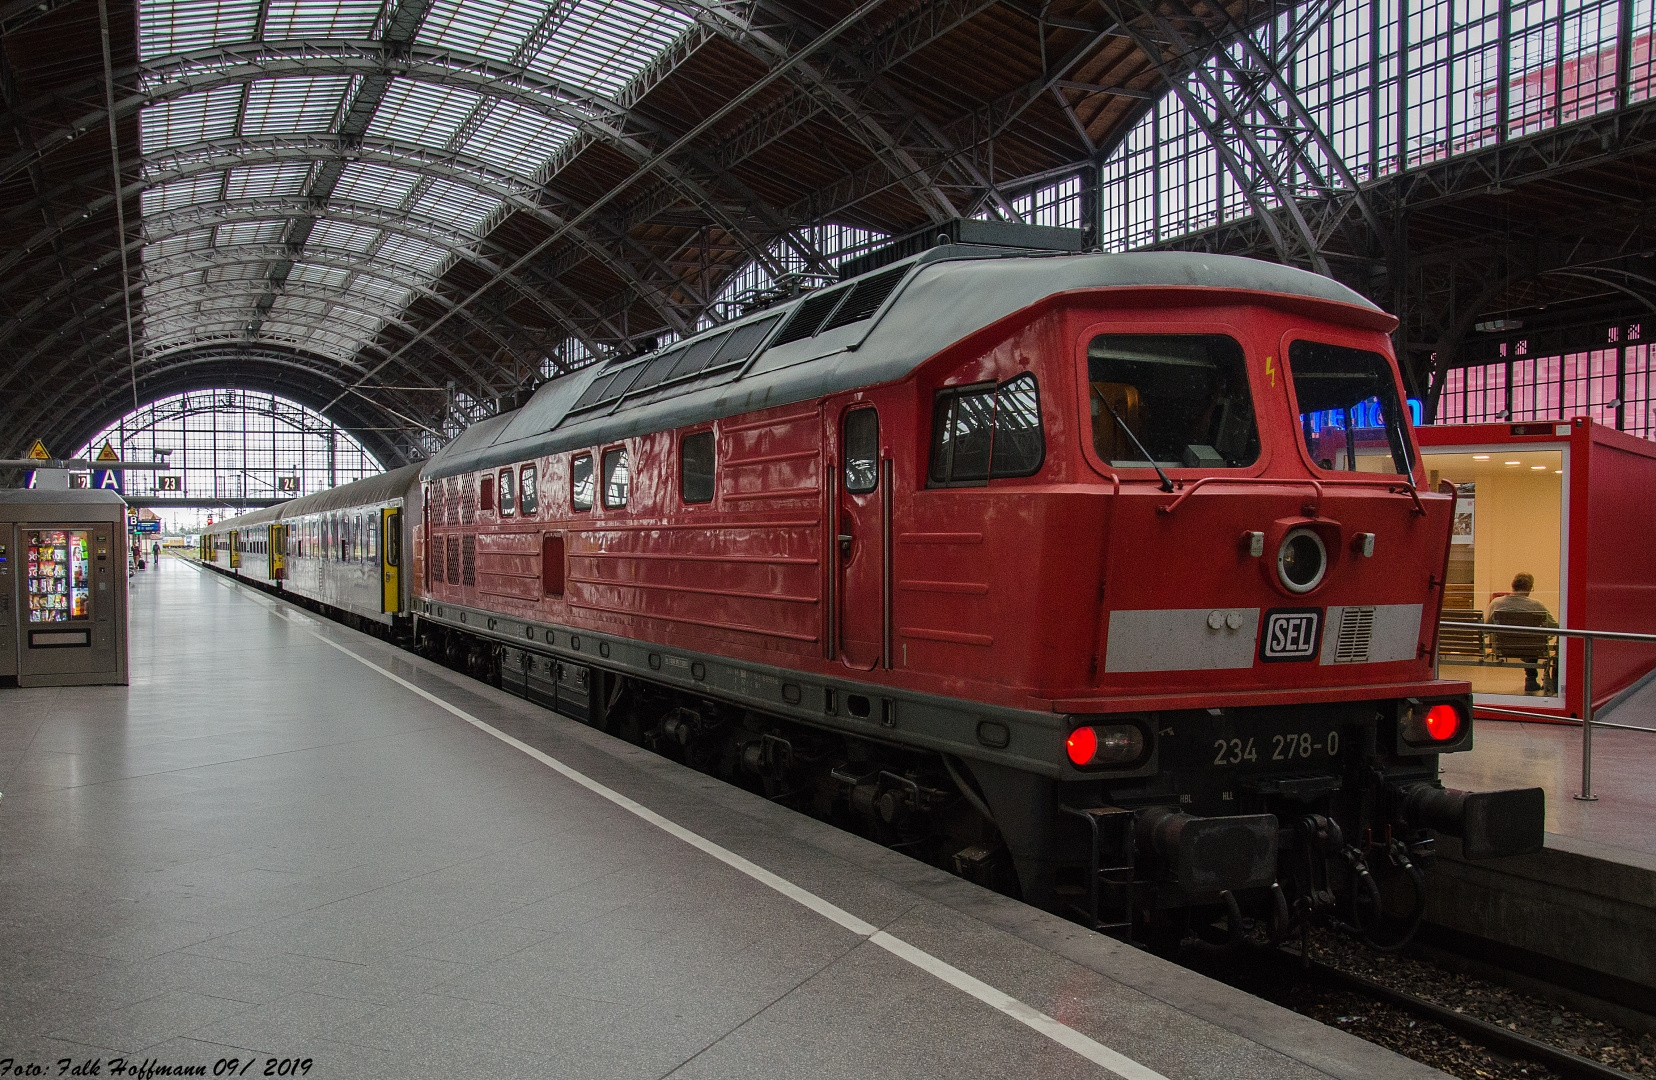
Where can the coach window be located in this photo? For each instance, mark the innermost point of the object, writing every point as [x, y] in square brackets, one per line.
[370, 537]
[508, 498]
[1173, 400]
[696, 467]
[580, 482]
[615, 478]
[528, 496]
[979, 432]
[485, 493]
[862, 451]
[1348, 409]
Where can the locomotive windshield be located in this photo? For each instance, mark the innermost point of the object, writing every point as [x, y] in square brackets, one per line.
[1182, 398]
[1349, 413]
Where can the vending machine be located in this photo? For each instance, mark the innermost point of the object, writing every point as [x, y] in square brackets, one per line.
[63, 587]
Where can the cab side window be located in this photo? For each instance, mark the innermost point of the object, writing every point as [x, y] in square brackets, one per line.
[983, 432]
[580, 482]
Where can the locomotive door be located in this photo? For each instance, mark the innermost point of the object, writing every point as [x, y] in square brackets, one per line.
[859, 541]
[390, 559]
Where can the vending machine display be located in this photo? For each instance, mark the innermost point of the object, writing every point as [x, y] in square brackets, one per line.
[59, 574]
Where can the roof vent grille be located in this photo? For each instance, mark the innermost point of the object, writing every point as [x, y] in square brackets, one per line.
[810, 315]
[866, 297]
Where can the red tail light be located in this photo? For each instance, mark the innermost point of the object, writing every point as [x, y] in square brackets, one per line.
[1443, 722]
[1082, 745]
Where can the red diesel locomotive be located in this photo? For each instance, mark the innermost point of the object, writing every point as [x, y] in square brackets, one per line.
[1105, 579]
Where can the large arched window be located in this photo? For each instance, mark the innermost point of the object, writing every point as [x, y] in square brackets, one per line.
[233, 444]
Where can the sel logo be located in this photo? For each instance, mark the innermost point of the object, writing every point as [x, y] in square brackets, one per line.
[1291, 634]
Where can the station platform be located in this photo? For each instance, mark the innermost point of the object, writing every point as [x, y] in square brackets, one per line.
[287, 840]
[1509, 753]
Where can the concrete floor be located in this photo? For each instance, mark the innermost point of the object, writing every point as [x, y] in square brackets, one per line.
[266, 847]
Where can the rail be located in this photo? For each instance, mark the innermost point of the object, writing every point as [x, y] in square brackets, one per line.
[1587, 721]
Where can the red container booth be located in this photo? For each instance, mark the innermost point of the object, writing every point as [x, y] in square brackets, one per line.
[1569, 502]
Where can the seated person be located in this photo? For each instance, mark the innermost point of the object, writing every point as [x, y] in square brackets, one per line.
[1518, 600]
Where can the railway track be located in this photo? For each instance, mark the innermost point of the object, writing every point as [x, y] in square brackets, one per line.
[1447, 1034]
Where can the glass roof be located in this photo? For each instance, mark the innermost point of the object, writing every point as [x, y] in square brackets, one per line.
[245, 181]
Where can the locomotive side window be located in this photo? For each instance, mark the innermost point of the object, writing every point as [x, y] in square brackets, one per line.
[862, 451]
[580, 482]
[1180, 398]
[615, 478]
[986, 431]
[508, 499]
[1349, 412]
[528, 496]
[696, 467]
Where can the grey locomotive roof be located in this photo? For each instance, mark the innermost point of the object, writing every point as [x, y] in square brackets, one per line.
[366, 492]
[944, 295]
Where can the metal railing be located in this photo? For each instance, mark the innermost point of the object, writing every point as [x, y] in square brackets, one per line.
[1587, 721]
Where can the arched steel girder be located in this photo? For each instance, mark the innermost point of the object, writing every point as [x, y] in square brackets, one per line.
[519, 193]
[321, 377]
[303, 380]
[202, 216]
[171, 77]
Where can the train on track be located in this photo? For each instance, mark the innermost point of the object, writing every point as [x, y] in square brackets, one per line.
[1109, 581]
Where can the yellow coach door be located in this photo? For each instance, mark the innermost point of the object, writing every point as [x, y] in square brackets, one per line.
[390, 560]
[278, 552]
[235, 550]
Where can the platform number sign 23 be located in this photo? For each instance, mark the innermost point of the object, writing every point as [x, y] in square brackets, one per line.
[1290, 634]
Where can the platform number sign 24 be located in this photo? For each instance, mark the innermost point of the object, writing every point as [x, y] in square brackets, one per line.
[1290, 634]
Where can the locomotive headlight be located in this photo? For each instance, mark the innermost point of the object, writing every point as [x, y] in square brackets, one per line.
[1105, 744]
[1301, 561]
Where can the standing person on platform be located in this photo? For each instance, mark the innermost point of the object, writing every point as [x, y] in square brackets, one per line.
[1519, 600]
[155, 550]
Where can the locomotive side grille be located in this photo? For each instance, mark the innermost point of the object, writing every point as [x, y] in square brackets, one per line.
[437, 545]
[468, 499]
[468, 560]
[1356, 631]
[451, 507]
[453, 560]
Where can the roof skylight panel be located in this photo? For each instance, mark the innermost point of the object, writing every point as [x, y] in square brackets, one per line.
[315, 19]
[193, 118]
[290, 306]
[193, 240]
[492, 28]
[248, 232]
[342, 236]
[156, 201]
[186, 25]
[463, 207]
[266, 181]
[604, 43]
[516, 139]
[413, 253]
[297, 105]
[421, 113]
[379, 291]
[371, 182]
[325, 276]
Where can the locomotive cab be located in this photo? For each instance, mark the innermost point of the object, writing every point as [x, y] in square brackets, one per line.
[1261, 730]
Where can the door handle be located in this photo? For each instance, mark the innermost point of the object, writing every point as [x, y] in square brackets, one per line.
[845, 543]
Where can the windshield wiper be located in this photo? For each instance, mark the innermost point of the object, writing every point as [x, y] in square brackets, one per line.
[1166, 484]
